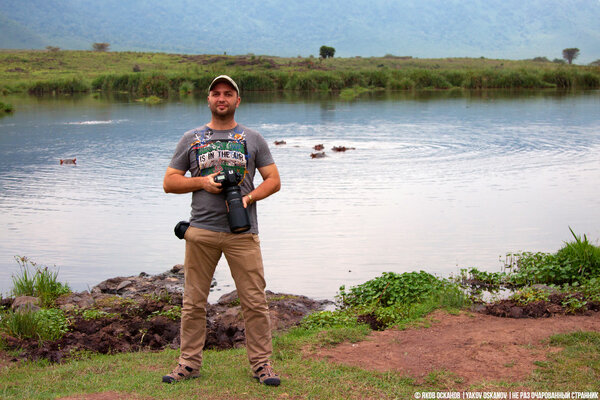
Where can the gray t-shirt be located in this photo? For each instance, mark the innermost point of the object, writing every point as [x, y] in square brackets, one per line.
[203, 151]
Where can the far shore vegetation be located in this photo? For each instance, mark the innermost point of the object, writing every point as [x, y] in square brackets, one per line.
[391, 300]
[164, 75]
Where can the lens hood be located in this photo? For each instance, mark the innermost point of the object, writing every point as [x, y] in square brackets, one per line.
[180, 228]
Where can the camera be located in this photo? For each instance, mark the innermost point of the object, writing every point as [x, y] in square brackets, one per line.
[237, 215]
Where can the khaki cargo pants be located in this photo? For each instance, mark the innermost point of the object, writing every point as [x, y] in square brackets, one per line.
[202, 253]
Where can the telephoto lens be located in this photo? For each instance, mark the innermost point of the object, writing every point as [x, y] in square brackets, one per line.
[238, 215]
[238, 218]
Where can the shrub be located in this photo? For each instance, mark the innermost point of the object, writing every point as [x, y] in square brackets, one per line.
[580, 257]
[576, 262]
[391, 299]
[390, 289]
[100, 46]
[186, 87]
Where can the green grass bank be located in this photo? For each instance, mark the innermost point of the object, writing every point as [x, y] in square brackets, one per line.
[571, 361]
[164, 75]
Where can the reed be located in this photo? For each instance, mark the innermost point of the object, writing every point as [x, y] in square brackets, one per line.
[57, 86]
[160, 74]
[34, 280]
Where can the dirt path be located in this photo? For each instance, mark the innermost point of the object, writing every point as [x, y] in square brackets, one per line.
[473, 346]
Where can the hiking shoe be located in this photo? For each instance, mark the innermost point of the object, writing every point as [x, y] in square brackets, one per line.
[266, 375]
[180, 373]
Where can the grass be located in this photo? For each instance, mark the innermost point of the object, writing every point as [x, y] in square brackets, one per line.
[163, 74]
[575, 368]
[225, 374]
[34, 280]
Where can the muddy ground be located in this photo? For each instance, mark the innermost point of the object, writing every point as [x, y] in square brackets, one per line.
[124, 325]
[472, 347]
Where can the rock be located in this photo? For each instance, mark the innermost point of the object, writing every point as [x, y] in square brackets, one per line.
[515, 312]
[545, 288]
[25, 304]
[72, 301]
[137, 312]
[478, 307]
[123, 285]
[177, 269]
[228, 299]
[167, 283]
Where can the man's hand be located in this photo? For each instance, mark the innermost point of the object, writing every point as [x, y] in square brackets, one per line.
[271, 184]
[210, 185]
[175, 181]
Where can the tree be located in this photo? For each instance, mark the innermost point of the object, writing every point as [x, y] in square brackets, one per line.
[100, 46]
[570, 54]
[326, 52]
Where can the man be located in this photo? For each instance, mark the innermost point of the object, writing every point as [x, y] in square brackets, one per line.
[220, 145]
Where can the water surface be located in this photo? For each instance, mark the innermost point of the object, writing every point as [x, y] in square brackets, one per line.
[438, 181]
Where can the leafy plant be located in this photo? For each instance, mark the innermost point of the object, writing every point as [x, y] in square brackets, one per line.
[173, 313]
[591, 289]
[93, 313]
[45, 324]
[574, 263]
[391, 288]
[573, 303]
[391, 299]
[323, 319]
[529, 295]
[53, 323]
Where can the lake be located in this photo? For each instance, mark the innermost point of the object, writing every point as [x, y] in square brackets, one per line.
[438, 181]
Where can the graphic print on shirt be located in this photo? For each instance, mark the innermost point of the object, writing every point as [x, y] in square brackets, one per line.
[218, 155]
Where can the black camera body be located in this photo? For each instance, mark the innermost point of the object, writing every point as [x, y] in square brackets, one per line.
[237, 214]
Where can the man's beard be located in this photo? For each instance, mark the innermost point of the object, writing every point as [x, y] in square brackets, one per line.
[227, 113]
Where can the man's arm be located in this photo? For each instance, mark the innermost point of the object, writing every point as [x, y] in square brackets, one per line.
[271, 184]
[175, 181]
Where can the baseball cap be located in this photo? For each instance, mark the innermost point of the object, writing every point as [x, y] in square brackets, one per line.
[224, 78]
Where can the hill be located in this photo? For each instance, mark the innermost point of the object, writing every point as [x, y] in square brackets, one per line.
[511, 29]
